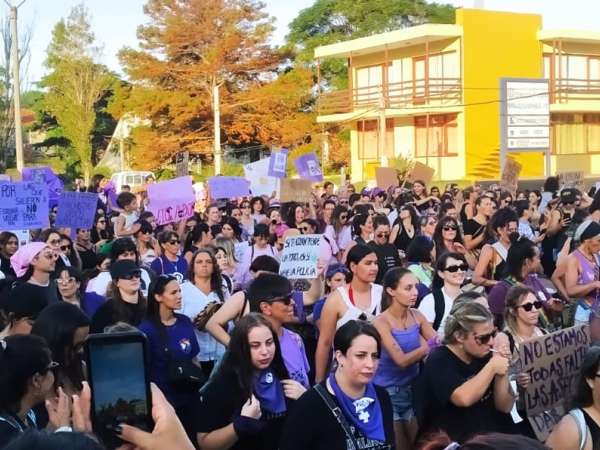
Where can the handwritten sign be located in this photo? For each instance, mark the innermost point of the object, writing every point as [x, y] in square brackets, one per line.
[171, 201]
[543, 423]
[420, 172]
[278, 163]
[45, 175]
[76, 209]
[386, 177]
[228, 187]
[295, 190]
[509, 180]
[308, 167]
[300, 255]
[571, 180]
[182, 164]
[23, 206]
[260, 181]
[553, 362]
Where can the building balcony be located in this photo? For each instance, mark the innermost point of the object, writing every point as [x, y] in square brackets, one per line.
[564, 90]
[406, 94]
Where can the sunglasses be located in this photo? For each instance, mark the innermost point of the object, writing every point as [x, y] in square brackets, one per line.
[303, 229]
[454, 269]
[287, 301]
[64, 248]
[174, 242]
[483, 339]
[130, 276]
[449, 228]
[381, 235]
[343, 216]
[529, 306]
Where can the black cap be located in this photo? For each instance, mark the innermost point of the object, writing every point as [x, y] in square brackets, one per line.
[590, 232]
[122, 268]
[20, 306]
[569, 195]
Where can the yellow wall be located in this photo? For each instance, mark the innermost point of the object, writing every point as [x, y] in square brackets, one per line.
[495, 45]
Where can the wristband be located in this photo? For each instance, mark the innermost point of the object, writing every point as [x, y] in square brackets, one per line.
[64, 429]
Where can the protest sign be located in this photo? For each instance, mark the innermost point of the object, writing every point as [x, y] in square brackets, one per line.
[45, 175]
[308, 167]
[386, 177]
[571, 180]
[76, 209]
[23, 205]
[420, 171]
[228, 187]
[299, 257]
[295, 190]
[553, 362]
[260, 182]
[22, 236]
[543, 423]
[171, 201]
[278, 163]
[182, 164]
[510, 176]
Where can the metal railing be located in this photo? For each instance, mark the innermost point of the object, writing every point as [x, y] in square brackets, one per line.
[563, 90]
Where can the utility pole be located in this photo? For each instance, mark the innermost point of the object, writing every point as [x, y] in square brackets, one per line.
[217, 130]
[14, 62]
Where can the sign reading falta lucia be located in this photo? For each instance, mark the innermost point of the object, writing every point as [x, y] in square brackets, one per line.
[300, 255]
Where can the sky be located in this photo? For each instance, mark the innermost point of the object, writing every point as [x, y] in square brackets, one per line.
[114, 22]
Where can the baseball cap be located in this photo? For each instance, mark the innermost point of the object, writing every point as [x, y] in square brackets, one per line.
[122, 268]
[569, 195]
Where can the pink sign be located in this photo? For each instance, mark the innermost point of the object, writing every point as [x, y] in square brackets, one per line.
[171, 201]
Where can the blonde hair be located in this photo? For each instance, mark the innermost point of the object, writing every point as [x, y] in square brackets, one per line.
[463, 318]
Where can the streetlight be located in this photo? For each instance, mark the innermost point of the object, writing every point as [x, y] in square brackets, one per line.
[14, 62]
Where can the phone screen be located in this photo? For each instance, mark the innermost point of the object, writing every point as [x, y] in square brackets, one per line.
[119, 382]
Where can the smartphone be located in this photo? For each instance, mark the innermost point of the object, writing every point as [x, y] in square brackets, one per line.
[117, 369]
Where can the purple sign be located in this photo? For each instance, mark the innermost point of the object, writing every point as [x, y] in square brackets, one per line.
[228, 187]
[76, 210]
[171, 201]
[45, 175]
[308, 167]
[278, 163]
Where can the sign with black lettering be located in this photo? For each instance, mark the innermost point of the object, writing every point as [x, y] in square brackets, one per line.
[300, 256]
[23, 206]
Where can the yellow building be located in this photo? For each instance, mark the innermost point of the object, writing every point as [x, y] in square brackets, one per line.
[431, 92]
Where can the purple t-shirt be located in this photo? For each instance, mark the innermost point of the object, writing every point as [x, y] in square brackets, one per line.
[294, 357]
[182, 345]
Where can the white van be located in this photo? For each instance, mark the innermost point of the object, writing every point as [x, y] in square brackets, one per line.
[133, 178]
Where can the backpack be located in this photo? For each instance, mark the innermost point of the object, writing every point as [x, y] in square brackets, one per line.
[439, 305]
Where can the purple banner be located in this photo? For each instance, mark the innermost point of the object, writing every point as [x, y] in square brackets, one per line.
[278, 163]
[308, 167]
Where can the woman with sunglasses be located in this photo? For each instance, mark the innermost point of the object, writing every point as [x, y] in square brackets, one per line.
[69, 252]
[27, 380]
[169, 262]
[204, 290]
[448, 238]
[244, 406]
[450, 270]
[52, 238]
[126, 302]
[342, 227]
[387, 254]
[465, 385]
[347, 410]
[585, 415]
[295, 215]
[147, 246]
[9, 244]
[171, 337]
[404, 334]
[246, 220]
[100, 232]
[361, 299]
[405, 228]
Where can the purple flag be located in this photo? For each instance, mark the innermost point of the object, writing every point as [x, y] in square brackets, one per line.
[308, 167]
[278, 163]
[45, 175]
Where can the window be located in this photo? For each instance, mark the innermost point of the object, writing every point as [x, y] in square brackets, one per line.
[369, 81]
[436, 137]
[574, 134]
[442, 74]
[368, 139]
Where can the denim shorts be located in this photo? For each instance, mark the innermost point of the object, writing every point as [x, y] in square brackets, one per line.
[402, 402]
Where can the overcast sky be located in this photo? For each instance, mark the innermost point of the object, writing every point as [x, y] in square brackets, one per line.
[115, 21]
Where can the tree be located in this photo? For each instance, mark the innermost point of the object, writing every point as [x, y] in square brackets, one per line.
[329, 21]
[76, 83]
[187, 49]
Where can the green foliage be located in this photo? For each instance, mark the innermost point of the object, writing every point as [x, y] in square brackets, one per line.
[330, 21]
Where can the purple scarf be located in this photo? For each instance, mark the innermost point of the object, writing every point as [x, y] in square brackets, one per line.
[364, 413]
[269, 392]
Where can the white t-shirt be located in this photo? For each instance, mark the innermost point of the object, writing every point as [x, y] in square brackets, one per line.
[427, 308]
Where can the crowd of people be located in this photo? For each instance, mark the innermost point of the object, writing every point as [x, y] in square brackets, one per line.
[406, 339]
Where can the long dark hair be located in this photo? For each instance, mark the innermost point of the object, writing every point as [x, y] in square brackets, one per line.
[157, 287]
[57, 324]
[216, 279]
[121, 312]
[238, 359]
[520, 249]
[438, 236]
[584, 396]
[391, 279]
[335, 220]
[195, 235]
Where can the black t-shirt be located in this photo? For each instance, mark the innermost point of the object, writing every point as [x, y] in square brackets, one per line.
[311, 425]
[444, 372]
[221, 401]
[403, 240]
[6, 268]
[105, 316]
[88, 258]
[474, 229]
[387, 257]
[11, 427]
[47, 295]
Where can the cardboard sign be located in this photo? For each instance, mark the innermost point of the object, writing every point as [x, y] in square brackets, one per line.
[308, 167]
[182, 164]
[23, 206]
[543, 423]
[171, 201]
[420, 171]
[571, 180]
[295, 190]
[228, 187]
[76, 210]
[257, 173]
[510, 176]
[553, 362]
[278, 163]
[386, 177]
[300, 256]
